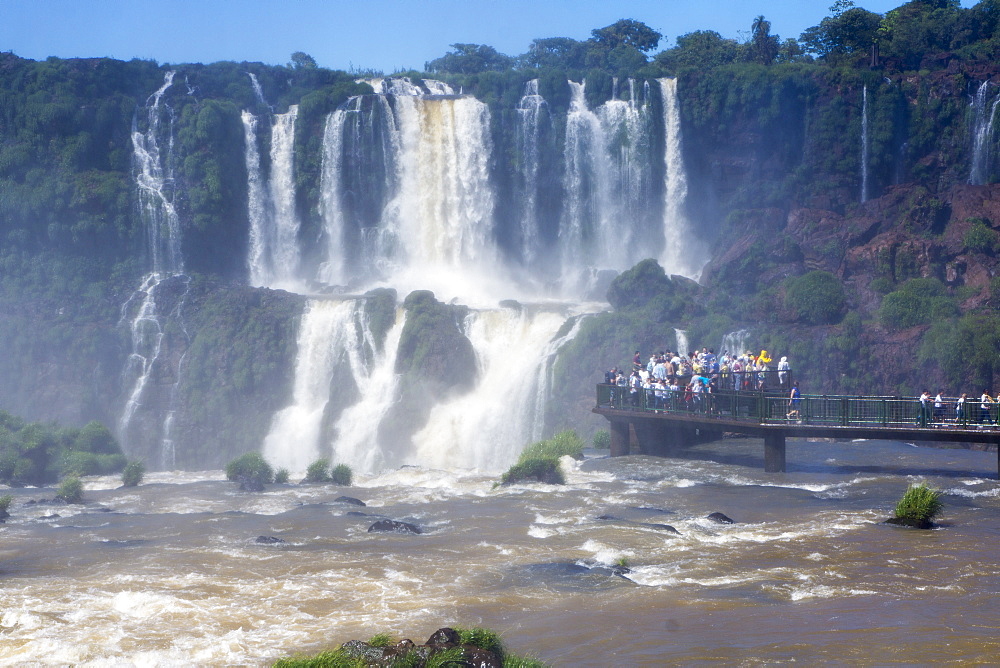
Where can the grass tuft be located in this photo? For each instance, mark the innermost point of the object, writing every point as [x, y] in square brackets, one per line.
[133, 473]
[70, 490]
[919, 504]
[341, 475]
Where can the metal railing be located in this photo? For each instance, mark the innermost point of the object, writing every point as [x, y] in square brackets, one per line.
[772, 407]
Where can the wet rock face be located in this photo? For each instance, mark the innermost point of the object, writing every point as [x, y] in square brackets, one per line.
[350, 500]
[720, 518]
[906, 522]
[393, 526]
[268, 540]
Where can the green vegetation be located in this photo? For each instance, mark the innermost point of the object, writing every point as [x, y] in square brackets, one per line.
[5, 502]
[70, 490]
[342, 475]
[281, 476]
[566, 442]
[38, 454]
[982, 239]
[918, 301]
[370, 654]
[537, 469]
[318, 471]
[251, 470]
[602, 439]
[816, 298]
[919, 505]
[133, 473]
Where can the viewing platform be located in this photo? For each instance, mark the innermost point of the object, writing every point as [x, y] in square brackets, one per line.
[660, 426]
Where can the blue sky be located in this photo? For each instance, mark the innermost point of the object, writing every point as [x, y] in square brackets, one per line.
[382, 34]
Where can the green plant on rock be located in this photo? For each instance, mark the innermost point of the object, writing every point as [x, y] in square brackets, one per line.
[70, 490]
[5, 502]
[251, 470]
[342, 475]
[281, 476]
[919, 505]
[318, 471]
[564, 443]
[602, 439]
[483, 639]
[981, 239]
[380, 640]
[538, 469]
[133, 473]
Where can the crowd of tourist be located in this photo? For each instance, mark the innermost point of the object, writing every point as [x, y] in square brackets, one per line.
[678, 381]
[675, 381]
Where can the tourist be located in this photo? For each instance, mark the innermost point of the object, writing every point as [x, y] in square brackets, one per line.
[925, 409]
[985, 406]
[960, 416]
[938, 408]
[794, 404]
[783, 367]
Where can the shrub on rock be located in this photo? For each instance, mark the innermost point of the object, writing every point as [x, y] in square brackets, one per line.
[535, 469]
[251, 470]
[341, 475]
[318, 471]
[70, 490]
[133, 473]
[919, 505]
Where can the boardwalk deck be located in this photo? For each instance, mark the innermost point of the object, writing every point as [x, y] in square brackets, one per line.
[661, 427]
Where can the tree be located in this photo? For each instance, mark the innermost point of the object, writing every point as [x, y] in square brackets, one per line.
[470, 59]
[702, 49]
[764, 46]
[851, 31]
[302, 61]
[627, 32]
[554, 52]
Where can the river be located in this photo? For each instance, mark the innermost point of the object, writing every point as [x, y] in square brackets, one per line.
[169, 573]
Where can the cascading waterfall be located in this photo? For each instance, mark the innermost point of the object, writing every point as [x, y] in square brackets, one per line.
[355, 437]
[486, 428]
[407, 199]
[864, 144]
[257, 90]
[984, 112]
[735, 342]
[606, 184]
[327, 330]
[682, 253]
[334, 337]
[682, 341]
[531, 110]
[256, 202]
[143, 310]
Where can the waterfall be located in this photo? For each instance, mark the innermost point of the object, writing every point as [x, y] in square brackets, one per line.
[531, 110]
[487, 427]
[682, 341]
[405, 187]
[682, 253]
[984, 112]
[145, 311]
[258, 91]
[284, 250]
[155, 181]
[326, 331]
[735, 342]
[355, 439]
[256, 202]
[864, 145]
[606, 218]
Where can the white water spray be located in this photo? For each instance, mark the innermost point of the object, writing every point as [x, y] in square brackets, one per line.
[487, 427]
[531, 110]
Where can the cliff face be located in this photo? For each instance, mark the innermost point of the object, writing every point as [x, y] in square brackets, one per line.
[791, 169]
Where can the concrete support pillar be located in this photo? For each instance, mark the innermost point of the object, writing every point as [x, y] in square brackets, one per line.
[774, 452]
[619, 438]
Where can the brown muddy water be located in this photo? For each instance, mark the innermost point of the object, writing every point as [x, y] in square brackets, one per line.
[168, 574]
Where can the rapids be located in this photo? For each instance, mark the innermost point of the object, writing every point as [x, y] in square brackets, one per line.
[168, 573]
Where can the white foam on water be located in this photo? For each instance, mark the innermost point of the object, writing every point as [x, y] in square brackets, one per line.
[603, 553]
[536, 531]
[825, 591]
